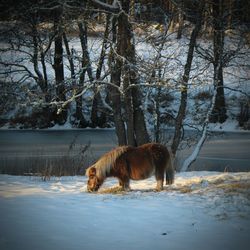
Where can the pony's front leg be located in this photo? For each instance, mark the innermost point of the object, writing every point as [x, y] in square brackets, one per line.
[159, 186]
[124, 185]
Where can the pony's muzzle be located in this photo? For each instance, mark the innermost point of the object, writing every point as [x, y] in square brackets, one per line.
[93, 189]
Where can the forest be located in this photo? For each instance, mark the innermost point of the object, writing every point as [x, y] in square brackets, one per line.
[138, 66]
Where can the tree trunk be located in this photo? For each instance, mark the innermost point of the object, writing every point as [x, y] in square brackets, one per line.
[180, 21]
[44, 67]
[43, 53]
[185, 78]
[129, 112]
[98, 120]
[70, 58]
[219, 110]
[40, 78]
[58, 66]
[86, 63]
[173, 17]
[115, 99]
[86, 68]
[115, 65]
[122, 66]
[136, 125]
[158, 115]
[124, 50]
[192, 158]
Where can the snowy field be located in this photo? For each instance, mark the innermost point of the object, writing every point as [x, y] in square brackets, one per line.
[202, 210]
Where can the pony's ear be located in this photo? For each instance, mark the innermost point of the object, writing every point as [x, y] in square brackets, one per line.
[92, 171]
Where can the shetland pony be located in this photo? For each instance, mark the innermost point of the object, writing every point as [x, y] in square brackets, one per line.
[136, 163]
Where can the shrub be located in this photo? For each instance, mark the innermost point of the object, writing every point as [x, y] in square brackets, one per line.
[244, 114]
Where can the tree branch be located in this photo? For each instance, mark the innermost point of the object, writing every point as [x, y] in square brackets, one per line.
[114, 8]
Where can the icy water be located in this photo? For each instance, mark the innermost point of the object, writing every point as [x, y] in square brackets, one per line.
[23, 149]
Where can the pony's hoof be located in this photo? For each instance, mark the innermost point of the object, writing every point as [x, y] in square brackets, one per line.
[170, 182]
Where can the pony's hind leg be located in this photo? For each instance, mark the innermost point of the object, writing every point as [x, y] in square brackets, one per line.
[169, 172]
[159, 176]
[169, 177]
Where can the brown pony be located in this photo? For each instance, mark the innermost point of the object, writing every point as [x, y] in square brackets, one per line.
[136, 163]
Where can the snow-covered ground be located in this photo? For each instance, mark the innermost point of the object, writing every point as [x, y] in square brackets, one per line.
[202, 210]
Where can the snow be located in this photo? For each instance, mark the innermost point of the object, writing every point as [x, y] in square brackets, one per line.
[229, 125]
[171, 59]
[202, 210]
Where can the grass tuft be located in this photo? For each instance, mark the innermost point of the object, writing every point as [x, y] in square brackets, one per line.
[112, 190]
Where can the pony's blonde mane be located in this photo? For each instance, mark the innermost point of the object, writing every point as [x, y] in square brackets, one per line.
[104, 164]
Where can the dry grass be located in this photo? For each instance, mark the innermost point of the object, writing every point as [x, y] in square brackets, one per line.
[231, 187]
[236, 186]
[112, 190]
[185, 190]
[200, 186]
[118, 190]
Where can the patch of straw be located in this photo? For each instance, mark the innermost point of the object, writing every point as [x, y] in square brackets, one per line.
[112, 190]
[230, 187]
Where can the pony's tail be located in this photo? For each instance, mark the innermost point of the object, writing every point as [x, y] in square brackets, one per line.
[170, 170]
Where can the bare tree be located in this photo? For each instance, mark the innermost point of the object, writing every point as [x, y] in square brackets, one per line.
[185, 79]
[219, 111]
[130, 128]
[96, 119]
[59, 64]
[136, 127]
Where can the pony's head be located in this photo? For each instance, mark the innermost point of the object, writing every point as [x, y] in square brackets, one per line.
[99, 171]
[94, 182]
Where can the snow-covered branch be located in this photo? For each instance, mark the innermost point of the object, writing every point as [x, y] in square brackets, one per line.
[114, 8]
[186, 164]
[237, 90]
[63, 104]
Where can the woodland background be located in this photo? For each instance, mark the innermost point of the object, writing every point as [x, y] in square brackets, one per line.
[137, 66]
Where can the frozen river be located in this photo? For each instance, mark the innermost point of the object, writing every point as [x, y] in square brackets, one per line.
[222, 151]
